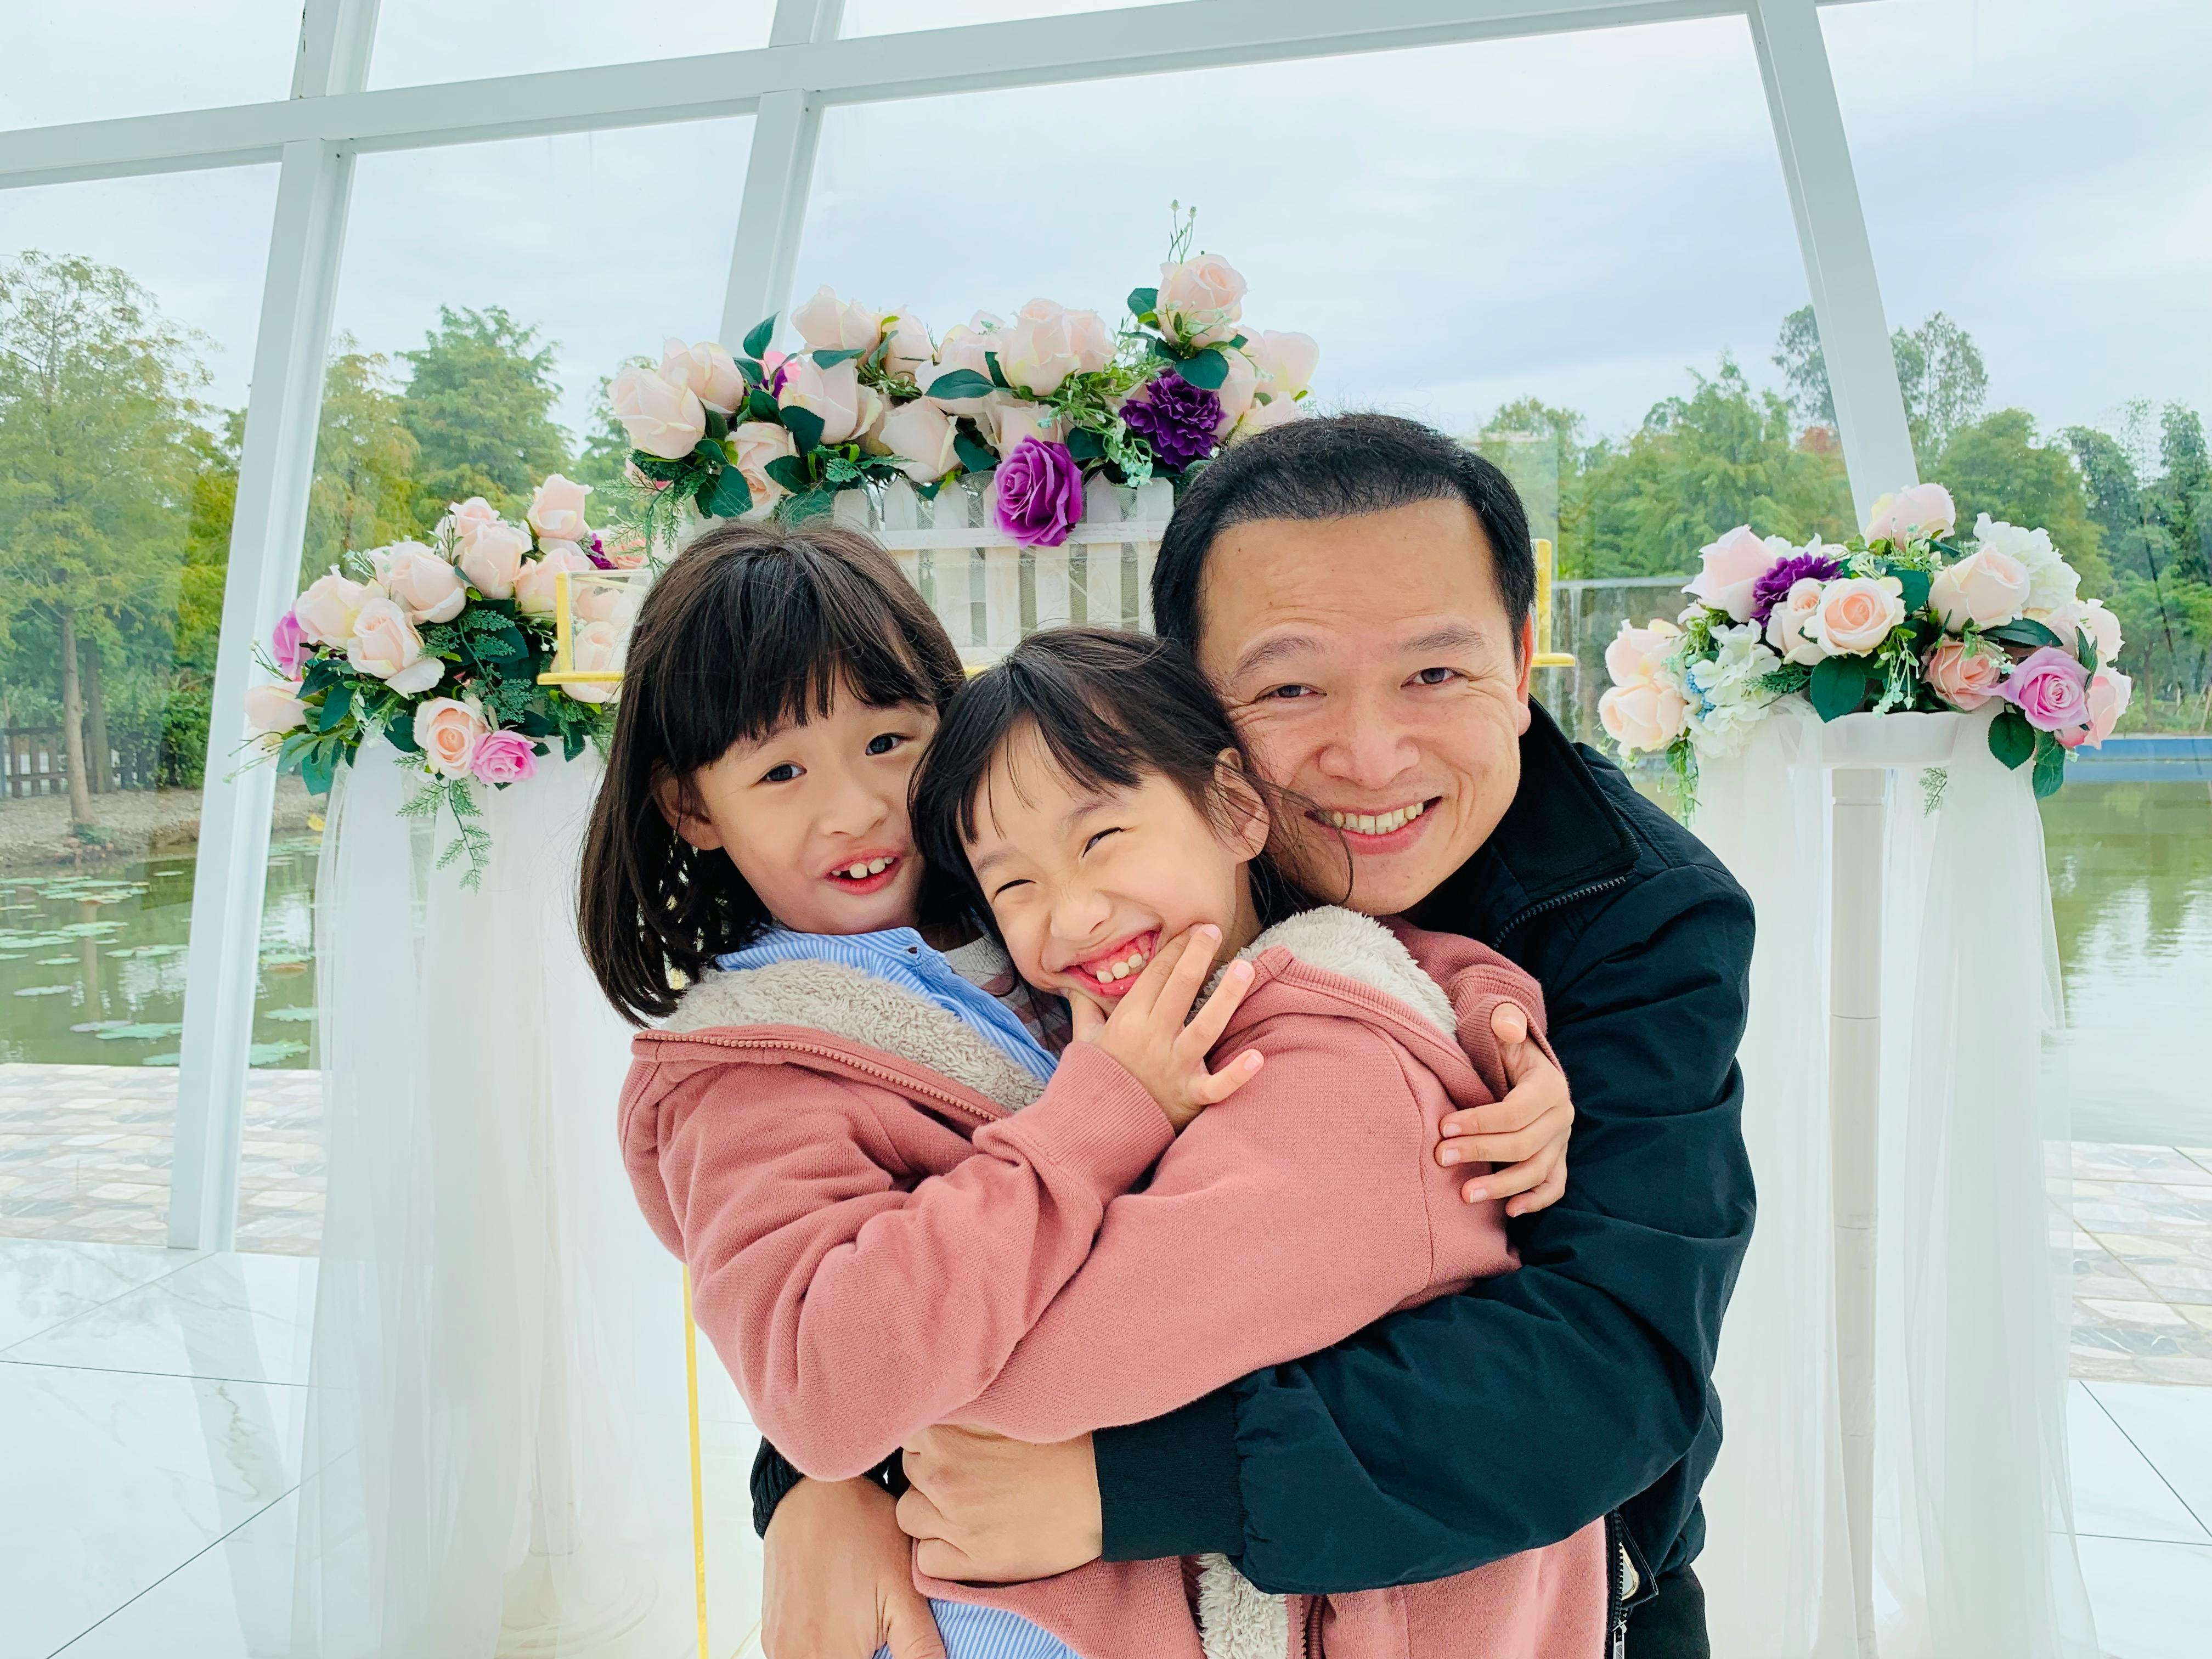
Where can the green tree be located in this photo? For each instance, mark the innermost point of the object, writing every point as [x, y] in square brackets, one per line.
[96, 459]
[479, 405]
[1939, 371]
[2153, 528]
[363, 492]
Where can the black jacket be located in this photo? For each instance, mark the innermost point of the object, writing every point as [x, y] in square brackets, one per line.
[1510, 1416]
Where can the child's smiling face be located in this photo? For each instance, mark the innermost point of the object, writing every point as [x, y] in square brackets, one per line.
[814, 816]
[1086, 885]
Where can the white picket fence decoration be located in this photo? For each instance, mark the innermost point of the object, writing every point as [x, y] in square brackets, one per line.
[989, 590]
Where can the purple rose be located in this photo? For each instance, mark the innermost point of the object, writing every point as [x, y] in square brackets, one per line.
[1040, 493]
[1178, 419]
[2050, 688]
[289, 643]
[502, 757]
[1770, 589]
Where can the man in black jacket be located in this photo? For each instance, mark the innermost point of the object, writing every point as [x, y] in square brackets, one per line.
[1361, 590]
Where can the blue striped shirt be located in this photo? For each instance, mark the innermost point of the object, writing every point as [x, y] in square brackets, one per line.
[898, 954]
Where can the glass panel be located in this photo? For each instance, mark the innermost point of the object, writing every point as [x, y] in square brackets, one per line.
[127, 318]
[143, 56]
[428, 41]
[899, 16]
[1575, 250]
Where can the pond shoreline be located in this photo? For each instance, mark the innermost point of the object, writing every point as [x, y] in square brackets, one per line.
[137, 823]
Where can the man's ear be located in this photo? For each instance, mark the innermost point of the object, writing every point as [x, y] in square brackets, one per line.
[679, 804]
[1247, 823]
[1528, 667]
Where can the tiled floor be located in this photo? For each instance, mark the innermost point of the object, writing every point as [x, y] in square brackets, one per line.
[2142, 1227]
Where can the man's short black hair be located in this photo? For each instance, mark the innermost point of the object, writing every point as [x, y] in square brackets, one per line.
[1337, 466]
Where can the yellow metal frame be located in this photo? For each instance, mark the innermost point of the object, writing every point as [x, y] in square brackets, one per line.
[1546, 657]
[564, 645]
[698, 1474]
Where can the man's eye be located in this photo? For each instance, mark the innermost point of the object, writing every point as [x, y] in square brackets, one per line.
[1436, 677]
[884, 742]
[783, 774]
[1100, 836]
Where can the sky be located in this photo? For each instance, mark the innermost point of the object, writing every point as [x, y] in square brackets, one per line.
[1584, 218]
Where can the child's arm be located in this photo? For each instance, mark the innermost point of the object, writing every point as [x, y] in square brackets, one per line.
[849, 1308]
[1279, 1223]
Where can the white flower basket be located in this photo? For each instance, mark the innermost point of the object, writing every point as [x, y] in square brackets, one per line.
[989, 590]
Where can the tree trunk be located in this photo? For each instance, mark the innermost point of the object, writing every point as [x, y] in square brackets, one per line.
[73, 726]
[101, 778]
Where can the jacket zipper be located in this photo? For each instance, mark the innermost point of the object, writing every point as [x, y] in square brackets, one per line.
[882, 1073]
[1617, 1589]
[1497, 941]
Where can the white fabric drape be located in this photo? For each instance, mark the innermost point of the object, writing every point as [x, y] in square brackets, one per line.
[496, 1456]
[1973, 1510]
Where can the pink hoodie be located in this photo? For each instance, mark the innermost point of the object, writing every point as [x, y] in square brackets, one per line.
[784, 1142]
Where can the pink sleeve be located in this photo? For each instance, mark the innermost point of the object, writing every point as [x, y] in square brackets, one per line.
[853, 1310]
[1283, 1220]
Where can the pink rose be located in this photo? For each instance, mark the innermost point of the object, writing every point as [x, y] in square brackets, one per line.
[1009, 419]
[752, 445]
[965, 346]
[1200, 300]
[1733, 565]
[1966, 679]
[1785, 624]
[493, 558]
[910, 352]
[1236, 391]
[1643, 717]
[504, 757]
[2050, 689]
[274, 706]
[1636, 656]
[1920, 513]
[1046, 344]
[828, 324]
[325, 612]
[556, 510]
[1855, 614]
[595, 649]
[1285, 362]
[2088, 616]
[425, 584]
[626, 549]
[919, 436]
[461, 516]
[2110, 693]
[1986, 588]
[661, 418]
[845, 406]
[534, 588]
[446, 730]
[705, 370]
[289, 644]
[386, 646]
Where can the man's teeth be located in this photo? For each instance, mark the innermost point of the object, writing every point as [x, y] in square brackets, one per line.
[865, 868]
[1374, 824]
[1121, 969]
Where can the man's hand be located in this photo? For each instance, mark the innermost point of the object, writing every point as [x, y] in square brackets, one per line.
[839, 1579]
[1525, 1134]
[986, 1509]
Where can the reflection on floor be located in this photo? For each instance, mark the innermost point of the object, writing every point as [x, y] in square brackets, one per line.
[2142, 1238]
[151, 1405]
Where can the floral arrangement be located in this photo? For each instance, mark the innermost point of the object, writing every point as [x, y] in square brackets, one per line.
[1901, 619]
[1040, 402]
[437, 646]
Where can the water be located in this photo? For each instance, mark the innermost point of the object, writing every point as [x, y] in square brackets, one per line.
[92, 962]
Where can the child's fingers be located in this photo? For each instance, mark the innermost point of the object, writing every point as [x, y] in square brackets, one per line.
[1088, 1018]
[1170, 981]
[1206, 1025]
[1211, 1088]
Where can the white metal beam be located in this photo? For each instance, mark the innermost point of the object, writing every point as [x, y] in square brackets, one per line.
[779, 175]
[282, 415]
[1824, 195]
[929, 63]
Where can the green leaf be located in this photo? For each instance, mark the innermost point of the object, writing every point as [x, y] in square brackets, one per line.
[703, 492]
[753, 371]
[709, 451]
[805, 426]
[1240, 342]
[1084, 445]
[827, 359]
[755, 342]
[729, 497]
[399, 733]
[2024, 632]
[2012, 740]
[718, 425]
[1207, 368]
[317, 767]
[790, 471]
[1839, 685]
[974, 456]
[762, 407]
[289, 751]
[2085, 649]
[2050, 765]
[1917, 584]
[960, 383]
[998, 374]
[1143, 302]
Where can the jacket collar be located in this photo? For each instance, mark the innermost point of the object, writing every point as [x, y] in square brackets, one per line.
[1560, 836]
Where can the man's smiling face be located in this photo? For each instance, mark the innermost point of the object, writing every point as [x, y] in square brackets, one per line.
[1371, 668]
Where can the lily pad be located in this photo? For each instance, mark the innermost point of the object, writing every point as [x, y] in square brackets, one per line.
[99, 1026]
[56, 962]
[46, 990]
[147, 1032]
[269, 1053]
[289, 1013]
[162, 1060]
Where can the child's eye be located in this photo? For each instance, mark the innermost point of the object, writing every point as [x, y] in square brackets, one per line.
[1284, 694]
[783, 774]
[1005, 888]
[884, 742]
[1436, 676]
[1100, 836]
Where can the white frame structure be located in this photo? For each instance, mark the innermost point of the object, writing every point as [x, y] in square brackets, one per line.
[331, 117]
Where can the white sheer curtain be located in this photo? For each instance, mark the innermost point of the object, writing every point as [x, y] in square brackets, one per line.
[1973, 1510]
[497, 1456]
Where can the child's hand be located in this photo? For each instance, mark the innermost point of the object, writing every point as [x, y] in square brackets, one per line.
[1147, 1034]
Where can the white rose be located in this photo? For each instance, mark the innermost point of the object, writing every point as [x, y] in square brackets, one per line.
[1046, 344]
[1785, 624]
[595, 647]
[1855, 614]
[1922, 513]
[844, 407]
[828, 324]
[662, 417]
[910, 352]
[327, 609]
[1647, 716]
[965, 346]
[1201, 300]
[535, 588]
[274, 706]
[709, 373]
[752, 445]
[1235, 390]
[1285, 362]
[493, 559]
[1987, 588]
[919, 435]
[386, 646]
[430, 588]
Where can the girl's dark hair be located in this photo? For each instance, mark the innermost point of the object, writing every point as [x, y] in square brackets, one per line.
[1110, 708]
[753, 626]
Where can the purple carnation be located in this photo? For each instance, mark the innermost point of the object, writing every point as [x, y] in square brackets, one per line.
[1040, 494]
[1774, 586]
[1179, 420]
